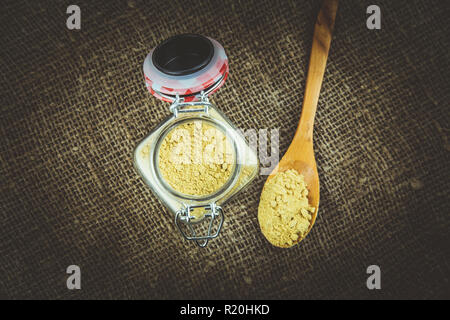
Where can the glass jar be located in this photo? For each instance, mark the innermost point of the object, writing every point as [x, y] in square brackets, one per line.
[185, 70]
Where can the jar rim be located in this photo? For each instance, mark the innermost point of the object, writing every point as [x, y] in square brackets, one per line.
[232, 179]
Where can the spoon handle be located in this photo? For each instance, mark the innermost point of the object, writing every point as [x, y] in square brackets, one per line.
[318, 60]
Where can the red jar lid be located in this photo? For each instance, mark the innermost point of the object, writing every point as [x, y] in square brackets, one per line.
[185, 65]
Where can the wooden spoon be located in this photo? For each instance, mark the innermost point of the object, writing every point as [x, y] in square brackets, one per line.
[300, 154]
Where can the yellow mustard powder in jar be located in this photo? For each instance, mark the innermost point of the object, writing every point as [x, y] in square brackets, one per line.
[196, 158]
[284, 213]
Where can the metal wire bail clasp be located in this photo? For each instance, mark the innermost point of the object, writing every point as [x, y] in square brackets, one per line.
[178, 105]
[183, 216]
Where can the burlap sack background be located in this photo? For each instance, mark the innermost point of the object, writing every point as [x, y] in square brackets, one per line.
[74, 105]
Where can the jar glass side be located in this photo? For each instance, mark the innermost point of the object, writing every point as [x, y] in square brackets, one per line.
[145, 162]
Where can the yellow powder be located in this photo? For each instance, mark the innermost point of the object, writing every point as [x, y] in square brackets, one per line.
[284, 213]
[196, 158]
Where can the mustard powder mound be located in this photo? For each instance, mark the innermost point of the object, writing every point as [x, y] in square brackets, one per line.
[284, 214]
[196, 158]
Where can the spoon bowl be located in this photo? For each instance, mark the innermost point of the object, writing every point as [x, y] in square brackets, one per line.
[307, 168]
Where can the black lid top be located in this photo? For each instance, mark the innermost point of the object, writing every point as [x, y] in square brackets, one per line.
[183, 54]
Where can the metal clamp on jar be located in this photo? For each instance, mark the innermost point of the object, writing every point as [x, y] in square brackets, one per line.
[185, 70]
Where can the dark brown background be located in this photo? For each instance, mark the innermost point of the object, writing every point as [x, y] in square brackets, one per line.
[74, 105]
